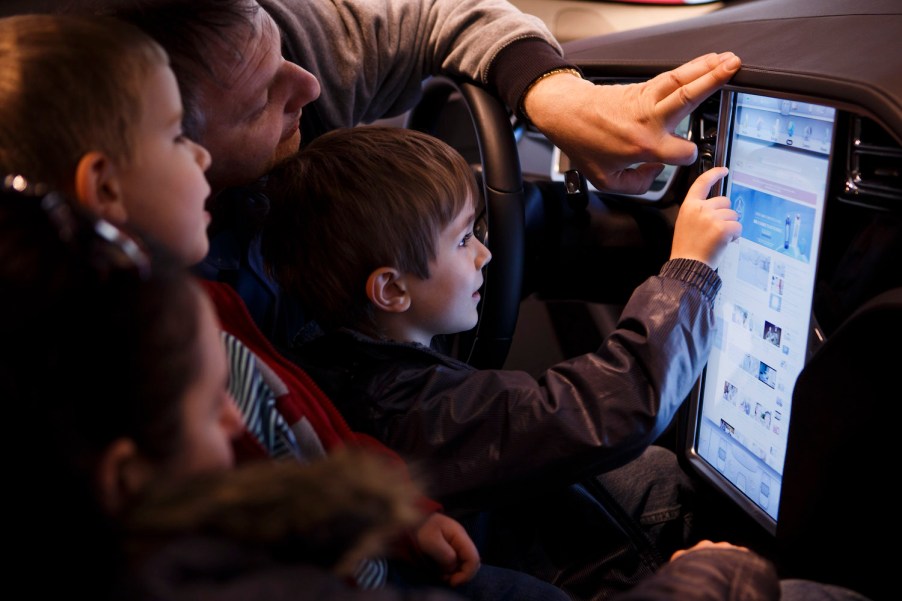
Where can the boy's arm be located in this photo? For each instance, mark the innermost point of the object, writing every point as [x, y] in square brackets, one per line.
[592, 412]
[491, 432]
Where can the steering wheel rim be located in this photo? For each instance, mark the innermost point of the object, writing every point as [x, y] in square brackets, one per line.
[502, 187]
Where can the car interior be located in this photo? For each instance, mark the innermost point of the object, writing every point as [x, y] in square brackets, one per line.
[782, 432]
[788, 433]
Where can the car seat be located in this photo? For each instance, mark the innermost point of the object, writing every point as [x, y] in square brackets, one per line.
[838, 500]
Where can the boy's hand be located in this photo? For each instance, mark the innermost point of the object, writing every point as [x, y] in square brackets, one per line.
[604, 129]
[704, 226]
[445, 541]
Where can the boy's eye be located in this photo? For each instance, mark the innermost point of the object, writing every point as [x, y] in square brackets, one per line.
[466, 239]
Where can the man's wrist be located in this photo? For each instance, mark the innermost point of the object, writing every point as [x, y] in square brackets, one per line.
[519, 65]
[521, 109]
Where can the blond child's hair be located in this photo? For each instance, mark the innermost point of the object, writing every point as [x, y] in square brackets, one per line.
[69, 85]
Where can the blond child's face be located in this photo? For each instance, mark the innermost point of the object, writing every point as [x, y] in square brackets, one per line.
[446, 302]
[164, 188]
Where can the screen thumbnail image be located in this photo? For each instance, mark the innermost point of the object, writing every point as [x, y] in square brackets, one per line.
[767, 374]
[772, 333]
[776, 223]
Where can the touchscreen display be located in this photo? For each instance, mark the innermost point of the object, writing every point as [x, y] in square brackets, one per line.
[778, 152]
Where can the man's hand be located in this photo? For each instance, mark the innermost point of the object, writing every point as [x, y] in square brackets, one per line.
[445, 541]
[604, 129]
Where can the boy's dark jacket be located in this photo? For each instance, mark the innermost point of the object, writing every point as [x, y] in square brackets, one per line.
[497, 431]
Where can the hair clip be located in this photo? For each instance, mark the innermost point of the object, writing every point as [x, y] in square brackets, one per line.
[20, 184]
[62, 213]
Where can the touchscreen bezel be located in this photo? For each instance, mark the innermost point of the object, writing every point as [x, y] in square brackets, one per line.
[728, 112]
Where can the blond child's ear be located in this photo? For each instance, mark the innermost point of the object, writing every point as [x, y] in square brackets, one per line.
[387, 290]
[121, 474]
[97, 187]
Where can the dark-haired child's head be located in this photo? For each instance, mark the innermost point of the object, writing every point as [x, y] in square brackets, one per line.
[114, 358]
[372, 228]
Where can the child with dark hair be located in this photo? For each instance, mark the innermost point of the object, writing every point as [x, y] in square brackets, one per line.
[115, 355]
[118, 365]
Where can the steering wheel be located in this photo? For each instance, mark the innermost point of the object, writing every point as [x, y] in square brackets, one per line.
[487, 345]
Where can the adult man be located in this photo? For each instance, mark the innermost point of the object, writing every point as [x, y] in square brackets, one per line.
[370, 59]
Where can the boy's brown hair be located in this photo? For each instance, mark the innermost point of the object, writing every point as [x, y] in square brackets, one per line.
[69, 85]
[354, 200]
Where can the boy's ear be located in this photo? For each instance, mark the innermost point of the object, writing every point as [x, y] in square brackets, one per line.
[98, 188]
[121, 474]
[387, 289]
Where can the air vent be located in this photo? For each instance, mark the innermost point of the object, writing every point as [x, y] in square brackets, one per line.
[874, 171]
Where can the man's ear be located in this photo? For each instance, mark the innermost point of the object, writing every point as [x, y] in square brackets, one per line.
[98, 188]
[387, 289]
[121, 474]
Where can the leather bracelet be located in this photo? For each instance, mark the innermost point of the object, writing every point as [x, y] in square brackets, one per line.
[570, 70]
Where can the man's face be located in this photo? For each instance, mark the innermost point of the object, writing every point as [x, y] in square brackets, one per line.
[252, 109]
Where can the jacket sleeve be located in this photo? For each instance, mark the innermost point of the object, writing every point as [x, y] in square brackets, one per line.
[372, 57]
[710, 575]
[490, 428]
